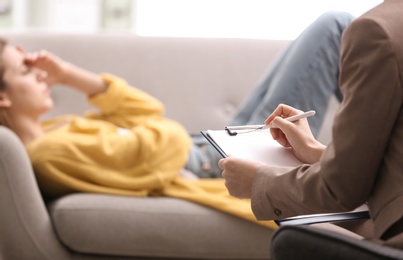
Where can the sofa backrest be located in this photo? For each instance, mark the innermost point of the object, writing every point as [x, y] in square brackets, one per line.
[200, 81]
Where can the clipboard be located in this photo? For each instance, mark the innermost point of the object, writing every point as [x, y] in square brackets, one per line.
[250, 144]
[226, 144]
[214, 144]
[324, 218]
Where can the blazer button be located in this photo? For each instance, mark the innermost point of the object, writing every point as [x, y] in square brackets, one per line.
[277, 212]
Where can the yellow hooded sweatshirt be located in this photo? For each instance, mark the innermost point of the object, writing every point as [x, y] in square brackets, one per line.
[126, 148]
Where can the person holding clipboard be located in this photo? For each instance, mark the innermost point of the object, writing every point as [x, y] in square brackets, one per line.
[363, 163]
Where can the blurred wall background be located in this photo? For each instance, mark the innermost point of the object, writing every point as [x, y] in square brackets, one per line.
[258, 19]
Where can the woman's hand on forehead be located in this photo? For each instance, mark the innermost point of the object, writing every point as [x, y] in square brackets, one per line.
[44, 60]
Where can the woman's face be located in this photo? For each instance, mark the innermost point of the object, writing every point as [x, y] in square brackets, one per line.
[26, 92]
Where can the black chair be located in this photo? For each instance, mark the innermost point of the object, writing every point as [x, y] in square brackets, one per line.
[303, 242]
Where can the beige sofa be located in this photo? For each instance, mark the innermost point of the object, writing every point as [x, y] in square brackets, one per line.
[201, 82]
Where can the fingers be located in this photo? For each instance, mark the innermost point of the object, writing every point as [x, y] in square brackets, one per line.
[225, 165]
[279, 127]
[280, 123]
[283, 111]
[221, 164]
[34, 58]
[280, 137]
[238, 175]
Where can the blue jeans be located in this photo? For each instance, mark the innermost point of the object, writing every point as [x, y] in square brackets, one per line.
[305, 77]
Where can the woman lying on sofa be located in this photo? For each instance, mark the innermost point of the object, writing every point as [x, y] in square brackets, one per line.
[129, 147]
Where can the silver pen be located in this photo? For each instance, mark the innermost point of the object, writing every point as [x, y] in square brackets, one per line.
[261, 127]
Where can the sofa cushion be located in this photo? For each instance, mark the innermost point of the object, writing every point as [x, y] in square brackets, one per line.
[155, 227]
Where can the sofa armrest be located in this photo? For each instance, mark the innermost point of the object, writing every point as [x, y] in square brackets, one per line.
[26, 231]
[304, 242]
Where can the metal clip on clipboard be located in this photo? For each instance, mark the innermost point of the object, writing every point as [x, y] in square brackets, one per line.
[231, 130]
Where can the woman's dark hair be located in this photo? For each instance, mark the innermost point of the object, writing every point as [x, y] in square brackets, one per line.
[3, 43]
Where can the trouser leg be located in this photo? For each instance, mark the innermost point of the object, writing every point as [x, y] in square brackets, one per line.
[305, 76]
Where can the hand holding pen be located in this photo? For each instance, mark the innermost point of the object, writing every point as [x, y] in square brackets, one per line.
[296, 134]
[250, 128]
[293, 118]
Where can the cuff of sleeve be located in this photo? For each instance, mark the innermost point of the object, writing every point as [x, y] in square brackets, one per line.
[260, 206]
[265, 191]
[109, 100]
